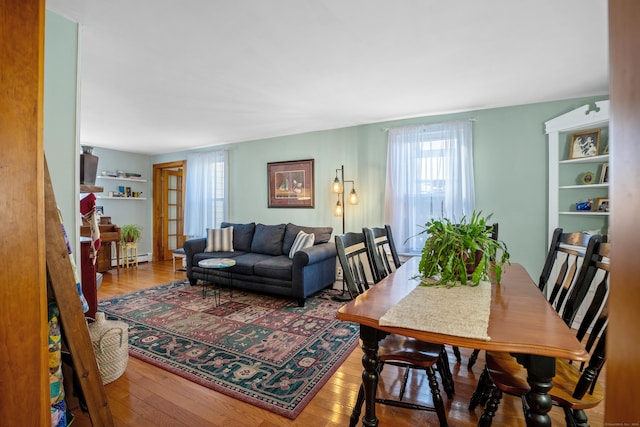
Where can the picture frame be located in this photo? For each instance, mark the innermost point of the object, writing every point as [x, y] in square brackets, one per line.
[291, 184]
[584, 144]
[604, 174]
[602, 204]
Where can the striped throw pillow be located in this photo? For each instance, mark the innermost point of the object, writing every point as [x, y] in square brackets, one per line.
[219, 240]
[303, 240]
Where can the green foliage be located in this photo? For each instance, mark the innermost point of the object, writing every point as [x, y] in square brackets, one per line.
[451, 248]
[130, 233]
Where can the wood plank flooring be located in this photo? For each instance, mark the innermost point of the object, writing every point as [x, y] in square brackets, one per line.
[149, 396]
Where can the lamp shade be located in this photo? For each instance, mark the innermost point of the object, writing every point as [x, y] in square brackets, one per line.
[353, 197]
[336, 186]
[338, 209]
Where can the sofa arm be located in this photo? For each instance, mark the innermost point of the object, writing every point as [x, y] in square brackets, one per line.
[192, 247]
[314, 254]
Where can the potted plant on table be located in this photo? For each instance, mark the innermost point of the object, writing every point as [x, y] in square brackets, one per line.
[130, 233]
[461, 253]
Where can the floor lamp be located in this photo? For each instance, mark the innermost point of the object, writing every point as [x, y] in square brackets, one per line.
[338, 187]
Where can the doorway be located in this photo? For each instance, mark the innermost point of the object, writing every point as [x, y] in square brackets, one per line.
[168, 208]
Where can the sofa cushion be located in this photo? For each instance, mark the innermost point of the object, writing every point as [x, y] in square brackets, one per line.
[219, 240]
[245, 264]
[303, 240]
[242, 235]
[267, 239]
[278, 267]
[322, 235]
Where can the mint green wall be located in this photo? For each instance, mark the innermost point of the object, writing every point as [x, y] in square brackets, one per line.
[510, 165]
[60, 147]
[127, 211]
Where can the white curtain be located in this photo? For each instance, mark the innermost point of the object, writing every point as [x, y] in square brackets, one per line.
[206, 204]
[429, 175]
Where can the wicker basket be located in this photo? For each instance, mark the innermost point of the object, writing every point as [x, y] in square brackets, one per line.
[110, 340]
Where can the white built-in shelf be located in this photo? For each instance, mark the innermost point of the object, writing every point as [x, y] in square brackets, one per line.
[583, 186]
[121, 198]
[593, 159]
[115, 178]
[585, 213]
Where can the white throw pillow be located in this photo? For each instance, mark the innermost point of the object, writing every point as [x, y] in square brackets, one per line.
[303, 240]
[219, 240]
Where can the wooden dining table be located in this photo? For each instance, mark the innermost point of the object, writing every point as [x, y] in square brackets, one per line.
[521, 321]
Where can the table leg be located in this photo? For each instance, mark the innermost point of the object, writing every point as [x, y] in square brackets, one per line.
[540, 372]
[370, 338]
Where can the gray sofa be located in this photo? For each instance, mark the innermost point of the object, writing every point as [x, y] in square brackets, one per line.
[262, 260]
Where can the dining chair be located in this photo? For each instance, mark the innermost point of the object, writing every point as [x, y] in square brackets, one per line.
[380, 244]
[397, 350]
[576, 386]
[564, 258]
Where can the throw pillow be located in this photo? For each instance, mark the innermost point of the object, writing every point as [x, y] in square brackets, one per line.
[219, 240]
[303, 240]
[242, 235]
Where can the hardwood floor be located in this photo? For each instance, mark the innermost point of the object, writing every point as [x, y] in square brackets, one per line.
[148, 396]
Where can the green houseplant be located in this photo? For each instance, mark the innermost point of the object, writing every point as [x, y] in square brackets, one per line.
[461, 252]
[130, 233]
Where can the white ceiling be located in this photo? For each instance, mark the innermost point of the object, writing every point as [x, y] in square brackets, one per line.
[158, 76]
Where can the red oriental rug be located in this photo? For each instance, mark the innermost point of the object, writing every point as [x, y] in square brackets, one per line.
[260, 349]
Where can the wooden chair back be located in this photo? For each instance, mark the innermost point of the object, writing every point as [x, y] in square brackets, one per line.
[566, 253]
[379, 243]
[353, 257]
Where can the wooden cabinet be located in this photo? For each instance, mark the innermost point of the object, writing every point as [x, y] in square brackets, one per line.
[565, 175]
[109, 238]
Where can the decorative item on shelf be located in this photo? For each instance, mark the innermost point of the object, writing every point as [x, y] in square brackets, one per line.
[602, 204]
[338, 187]
[585, 144]
[584, 206]
[604, 174]
[587, 178]
[130, 233]
[461, 253]
[110, 174]
[606, 149]
[120, 174]
[132, 175]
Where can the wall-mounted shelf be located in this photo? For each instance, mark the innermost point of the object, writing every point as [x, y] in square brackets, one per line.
[121, 198]
[115, 178]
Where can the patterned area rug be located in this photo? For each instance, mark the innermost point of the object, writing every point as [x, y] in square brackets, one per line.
[262, 350]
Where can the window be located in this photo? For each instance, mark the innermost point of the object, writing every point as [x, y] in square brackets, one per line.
[206, 204]
[429, 175]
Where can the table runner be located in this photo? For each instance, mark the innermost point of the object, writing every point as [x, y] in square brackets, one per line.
[460, 311]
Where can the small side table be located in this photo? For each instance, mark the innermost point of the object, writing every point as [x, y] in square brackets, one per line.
[129, 254]
[219, 264]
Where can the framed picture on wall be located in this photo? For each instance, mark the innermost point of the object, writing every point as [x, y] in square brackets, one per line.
[585, 144]
[291, 184]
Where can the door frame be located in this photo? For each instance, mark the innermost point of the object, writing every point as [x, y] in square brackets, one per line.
[158, 190]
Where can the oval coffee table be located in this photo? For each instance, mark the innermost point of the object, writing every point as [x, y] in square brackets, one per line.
[217, 264]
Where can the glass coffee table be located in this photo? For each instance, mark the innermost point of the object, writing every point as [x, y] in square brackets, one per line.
[217, 264]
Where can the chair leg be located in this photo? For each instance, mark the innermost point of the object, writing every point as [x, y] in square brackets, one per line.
[490, 408]
[456, 351]
[576, 418]
[473, 358]
[445, 373]
[405, 378]
[437, 399]
[355, 414]
[484, 382]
